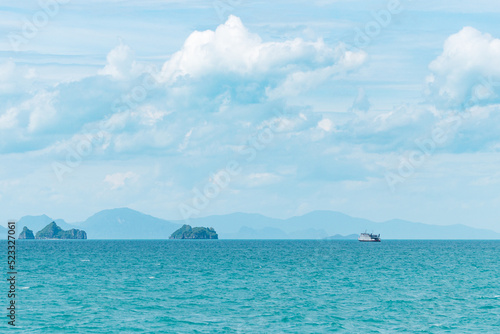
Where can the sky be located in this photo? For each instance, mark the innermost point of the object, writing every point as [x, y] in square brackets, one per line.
[179, 109]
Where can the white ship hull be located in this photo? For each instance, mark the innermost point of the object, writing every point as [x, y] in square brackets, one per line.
[368, 237]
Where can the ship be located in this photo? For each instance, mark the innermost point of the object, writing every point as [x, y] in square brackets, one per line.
[369, 237]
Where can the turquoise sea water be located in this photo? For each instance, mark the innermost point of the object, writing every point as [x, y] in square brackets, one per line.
[229, 286]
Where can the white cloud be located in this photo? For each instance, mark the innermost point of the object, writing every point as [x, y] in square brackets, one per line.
[43, 112]
[121, 63]
[218, 80]
[185, 142]
[35, 114]
[118, 180]
[470, 60]
[8, 120]
[261, 179]
[232, 49]
[325, 124]
[14, 78]
[150, 115]
[301, 81]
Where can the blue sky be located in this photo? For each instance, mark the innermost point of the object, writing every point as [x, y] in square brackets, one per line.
[378, 109]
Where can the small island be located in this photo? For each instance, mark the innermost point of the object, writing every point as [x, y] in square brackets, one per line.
[187, 232]
[52, 231]
[26, 234]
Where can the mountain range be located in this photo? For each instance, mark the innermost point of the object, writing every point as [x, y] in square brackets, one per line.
[125, 223]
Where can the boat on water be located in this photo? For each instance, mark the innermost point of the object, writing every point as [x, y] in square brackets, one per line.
[369, 237]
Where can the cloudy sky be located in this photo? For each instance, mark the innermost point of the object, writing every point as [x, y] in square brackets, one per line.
[378, 109]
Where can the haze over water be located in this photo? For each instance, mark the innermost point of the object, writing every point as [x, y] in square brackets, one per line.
[229, 286]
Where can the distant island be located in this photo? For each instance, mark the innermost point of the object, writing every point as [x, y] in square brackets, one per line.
[26, 234]
[52, 231]
[187, 232]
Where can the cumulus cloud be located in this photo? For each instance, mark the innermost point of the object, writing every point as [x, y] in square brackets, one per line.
[43, 111]
[468, 68]
[325, 124]
[232, 48]
[301, 81]
[118, 180]
[121, 63]
[284, 68]
[29, 123]
[221, 85]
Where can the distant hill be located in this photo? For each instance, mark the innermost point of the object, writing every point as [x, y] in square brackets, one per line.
[246, 232]
[321, 224]
[233, 222]
[125, 223]
[3, 232]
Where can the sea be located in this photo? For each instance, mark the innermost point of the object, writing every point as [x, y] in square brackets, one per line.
[255, 286]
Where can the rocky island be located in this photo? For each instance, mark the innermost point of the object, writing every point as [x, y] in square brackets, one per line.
[187, 232]
[26, 234]
[52, 231]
